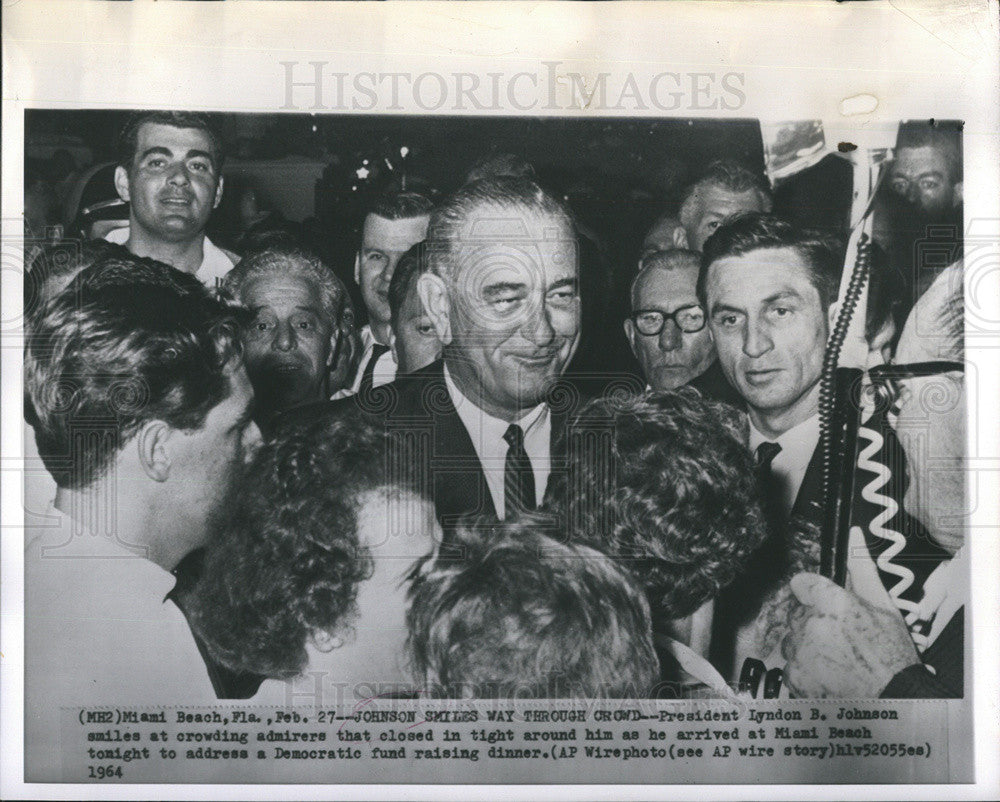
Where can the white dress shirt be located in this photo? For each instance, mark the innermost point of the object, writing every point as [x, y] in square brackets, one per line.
[487, 434]
[385, 368]
[99, 633]
[215, 263]
[789, 466]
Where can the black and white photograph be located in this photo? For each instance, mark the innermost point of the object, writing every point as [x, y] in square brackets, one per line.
[500, 440]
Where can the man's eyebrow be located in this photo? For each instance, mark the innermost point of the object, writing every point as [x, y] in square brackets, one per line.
[156, 150]
[782, 295]
[562, 283]
[716, 308]
[203, 154]
[500, 287]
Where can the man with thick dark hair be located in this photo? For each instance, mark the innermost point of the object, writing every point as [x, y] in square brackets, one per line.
[170, 174]
[664, 484]
[142, 414]
[395, 223]
[524, 616]
[770, 289]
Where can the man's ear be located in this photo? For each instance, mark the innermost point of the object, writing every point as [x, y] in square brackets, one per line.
[956, 199]
[121, 183]
[680, 238]
[218, 193]
[357, 268]
[434, 296]
[151, 443]
[629, 327]
[831, 316]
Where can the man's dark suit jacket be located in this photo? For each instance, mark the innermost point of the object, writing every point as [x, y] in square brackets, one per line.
[429, 443]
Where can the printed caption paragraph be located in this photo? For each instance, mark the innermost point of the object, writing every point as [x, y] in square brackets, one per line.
[865, 741]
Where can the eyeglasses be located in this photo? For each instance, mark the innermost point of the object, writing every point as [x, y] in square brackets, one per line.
[688, 319]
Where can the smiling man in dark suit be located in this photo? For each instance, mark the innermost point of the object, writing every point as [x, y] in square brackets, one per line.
[501, 291]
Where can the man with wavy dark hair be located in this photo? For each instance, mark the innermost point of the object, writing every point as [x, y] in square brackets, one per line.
[663, 483]
[170, 173]
[524, 616]
[142, 414]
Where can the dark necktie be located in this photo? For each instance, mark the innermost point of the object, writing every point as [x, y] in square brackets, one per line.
[368, 377]
[770, 487]
[518, 477]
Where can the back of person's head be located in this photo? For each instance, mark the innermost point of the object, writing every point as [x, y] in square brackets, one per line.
[401, 205]
[496, 165]
[664, 483]
[129, 137]
[493, 195]
[286, 566]
[130, 340]
[54, 267]
[822, 254]
[522, 615]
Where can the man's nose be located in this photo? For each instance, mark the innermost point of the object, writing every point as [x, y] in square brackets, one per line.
[389, 269]
[671, 336]
[179, 174]
[539, 329]
[284, 337]
[756, 340]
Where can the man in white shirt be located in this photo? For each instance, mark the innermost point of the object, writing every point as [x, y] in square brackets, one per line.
[170, 174]
[394, 224]
[144, 445]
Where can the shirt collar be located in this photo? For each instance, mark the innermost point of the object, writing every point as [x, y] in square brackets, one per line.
[477, 420]
[797, 444]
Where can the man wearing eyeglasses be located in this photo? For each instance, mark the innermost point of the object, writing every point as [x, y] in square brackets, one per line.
[667, 331]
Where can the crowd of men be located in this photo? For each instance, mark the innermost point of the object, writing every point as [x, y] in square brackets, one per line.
[428, 503]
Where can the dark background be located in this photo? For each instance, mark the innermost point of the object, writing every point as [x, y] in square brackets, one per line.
[617, 175]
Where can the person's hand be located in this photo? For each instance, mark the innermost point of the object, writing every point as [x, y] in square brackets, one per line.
[839, 645]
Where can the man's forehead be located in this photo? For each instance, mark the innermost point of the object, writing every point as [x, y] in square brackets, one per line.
[664, 286]
[275, 287]
[759, 273]
[173, 138]
[919, 160]
[494, 223]
[718, 199]
[402, 234]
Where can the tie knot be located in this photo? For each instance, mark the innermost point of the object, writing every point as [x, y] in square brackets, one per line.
[378, 350]
[514, 436]
[765, 453]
